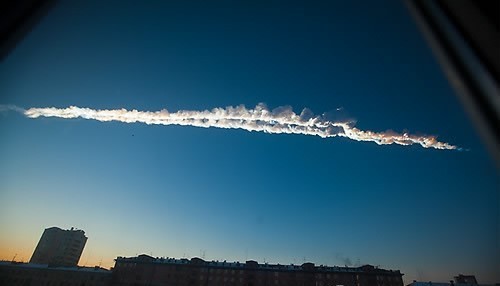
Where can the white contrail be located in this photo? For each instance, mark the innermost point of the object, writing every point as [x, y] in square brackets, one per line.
[277, 121]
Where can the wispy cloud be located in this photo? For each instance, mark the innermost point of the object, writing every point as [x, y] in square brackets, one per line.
[281, 120]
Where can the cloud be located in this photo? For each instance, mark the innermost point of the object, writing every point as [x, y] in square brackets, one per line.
[281, 120]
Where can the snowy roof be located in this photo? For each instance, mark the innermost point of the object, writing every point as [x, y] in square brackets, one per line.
[95, 269]
[252, 264]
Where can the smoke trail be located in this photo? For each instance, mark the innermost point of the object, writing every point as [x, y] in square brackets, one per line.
[9, 107]
[261, 119]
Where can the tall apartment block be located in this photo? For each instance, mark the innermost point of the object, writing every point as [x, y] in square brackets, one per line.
[59, 247]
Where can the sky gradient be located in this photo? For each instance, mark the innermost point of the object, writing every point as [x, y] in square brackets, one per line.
[231, 194]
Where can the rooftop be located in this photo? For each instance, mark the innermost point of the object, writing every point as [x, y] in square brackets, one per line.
[146, 259]
[95, 269]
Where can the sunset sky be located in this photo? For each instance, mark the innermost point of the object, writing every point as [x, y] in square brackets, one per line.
[230, 194]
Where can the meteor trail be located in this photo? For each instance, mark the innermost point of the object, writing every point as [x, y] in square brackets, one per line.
[281, 120]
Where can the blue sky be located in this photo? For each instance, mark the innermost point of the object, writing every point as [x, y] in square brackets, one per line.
[232, 194]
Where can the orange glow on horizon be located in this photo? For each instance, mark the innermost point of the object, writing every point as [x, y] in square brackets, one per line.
[19, 254]
[24, 255]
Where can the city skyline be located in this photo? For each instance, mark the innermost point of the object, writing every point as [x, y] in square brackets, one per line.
[182, 191]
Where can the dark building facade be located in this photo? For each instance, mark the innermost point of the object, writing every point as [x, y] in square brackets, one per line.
[466, 279]
[460, 280]
[59, 247]
[30, 274]
[146, 270]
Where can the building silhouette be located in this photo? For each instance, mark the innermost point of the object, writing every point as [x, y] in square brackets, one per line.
[29, 274]
[59, 247]
[460, 280]
[147, 270]
[466, 279]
